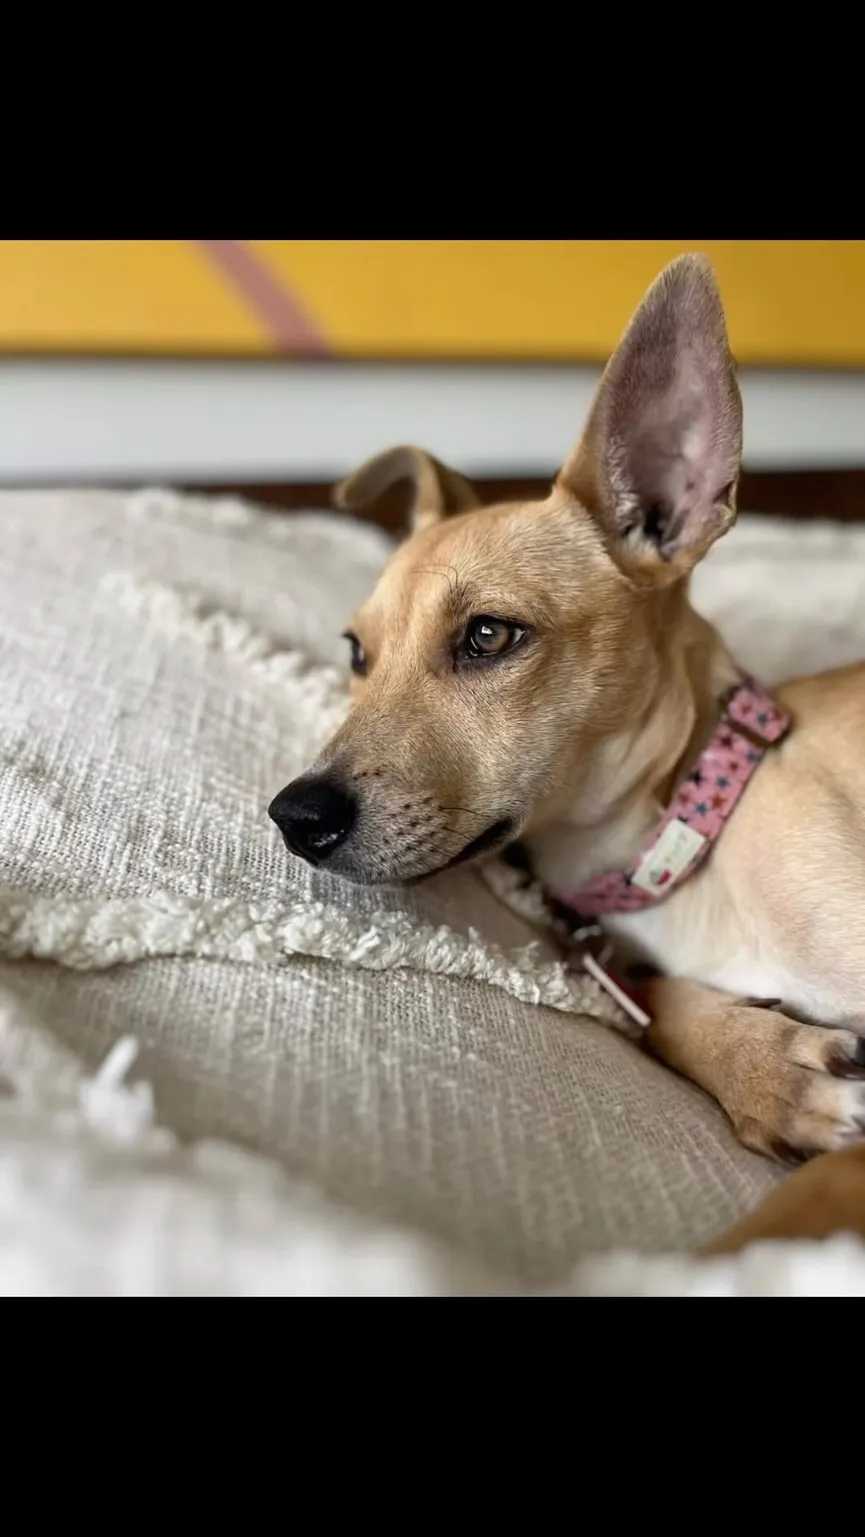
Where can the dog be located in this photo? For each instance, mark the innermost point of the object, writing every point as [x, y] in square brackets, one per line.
[533, 673]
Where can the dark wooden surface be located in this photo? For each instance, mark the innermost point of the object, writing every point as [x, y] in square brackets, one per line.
[835, 494]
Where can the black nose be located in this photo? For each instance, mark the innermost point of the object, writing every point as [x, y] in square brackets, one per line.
[315, 815]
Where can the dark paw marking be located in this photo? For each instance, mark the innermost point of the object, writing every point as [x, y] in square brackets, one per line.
[842, 1066]
[786, 1153]
[779, 1006]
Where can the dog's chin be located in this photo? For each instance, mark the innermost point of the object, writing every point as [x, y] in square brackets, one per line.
[495, 837]
[355, 873]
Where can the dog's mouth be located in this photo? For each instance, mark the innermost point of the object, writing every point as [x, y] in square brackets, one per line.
[493, 838]
[489, 840]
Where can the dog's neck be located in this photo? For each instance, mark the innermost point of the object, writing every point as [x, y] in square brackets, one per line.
[606, 823]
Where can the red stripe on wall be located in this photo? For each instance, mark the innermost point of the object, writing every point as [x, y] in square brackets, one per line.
[291, 329]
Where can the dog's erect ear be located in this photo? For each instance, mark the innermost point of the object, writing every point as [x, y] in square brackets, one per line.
[437, 490]
[658, 463]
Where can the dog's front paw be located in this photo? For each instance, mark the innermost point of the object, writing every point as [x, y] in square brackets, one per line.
[806, 1093]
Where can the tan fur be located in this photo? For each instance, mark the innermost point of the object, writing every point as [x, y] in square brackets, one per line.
[576, 738]
[788, 1087]
[826, 1196]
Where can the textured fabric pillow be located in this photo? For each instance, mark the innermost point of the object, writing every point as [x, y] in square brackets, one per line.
[166, 665]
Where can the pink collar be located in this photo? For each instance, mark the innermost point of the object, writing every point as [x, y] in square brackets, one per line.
[750, 723]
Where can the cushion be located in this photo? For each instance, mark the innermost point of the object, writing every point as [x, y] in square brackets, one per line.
[420, 1056]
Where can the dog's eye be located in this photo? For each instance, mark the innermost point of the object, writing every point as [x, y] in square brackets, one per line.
[489, 637]
[358, 655]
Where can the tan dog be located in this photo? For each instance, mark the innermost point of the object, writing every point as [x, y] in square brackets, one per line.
[535, 671]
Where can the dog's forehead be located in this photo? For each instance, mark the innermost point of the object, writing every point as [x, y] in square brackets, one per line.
[525, 549]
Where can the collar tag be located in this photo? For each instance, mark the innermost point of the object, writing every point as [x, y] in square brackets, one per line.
[668, 858]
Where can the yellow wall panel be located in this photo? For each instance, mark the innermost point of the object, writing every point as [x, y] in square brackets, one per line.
[798, 303]
[788, 302]
[128, 296]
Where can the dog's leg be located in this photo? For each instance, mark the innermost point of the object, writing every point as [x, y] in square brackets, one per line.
[827, 1196]
[790, 1089]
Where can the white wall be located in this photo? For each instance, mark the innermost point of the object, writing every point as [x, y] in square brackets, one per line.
[282, 421]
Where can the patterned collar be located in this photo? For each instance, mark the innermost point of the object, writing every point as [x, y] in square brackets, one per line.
[751, 722]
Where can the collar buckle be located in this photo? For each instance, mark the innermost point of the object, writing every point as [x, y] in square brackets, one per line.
[752, 733]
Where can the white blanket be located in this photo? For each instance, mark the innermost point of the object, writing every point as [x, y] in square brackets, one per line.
[358, 1092]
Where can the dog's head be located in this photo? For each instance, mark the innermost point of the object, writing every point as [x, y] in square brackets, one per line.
[511, 655]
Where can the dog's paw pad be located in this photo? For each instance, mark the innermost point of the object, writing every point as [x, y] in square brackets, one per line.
[809, 1092]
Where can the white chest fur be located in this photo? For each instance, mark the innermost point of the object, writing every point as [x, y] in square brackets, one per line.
[687, 943]
[700, 934]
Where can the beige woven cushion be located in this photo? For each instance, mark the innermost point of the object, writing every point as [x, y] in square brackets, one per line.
[165, 666]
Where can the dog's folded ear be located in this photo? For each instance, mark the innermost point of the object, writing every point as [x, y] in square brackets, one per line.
[437, 491]
[658, 463]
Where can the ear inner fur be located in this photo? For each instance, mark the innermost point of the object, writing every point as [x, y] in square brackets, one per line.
[658, 463]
